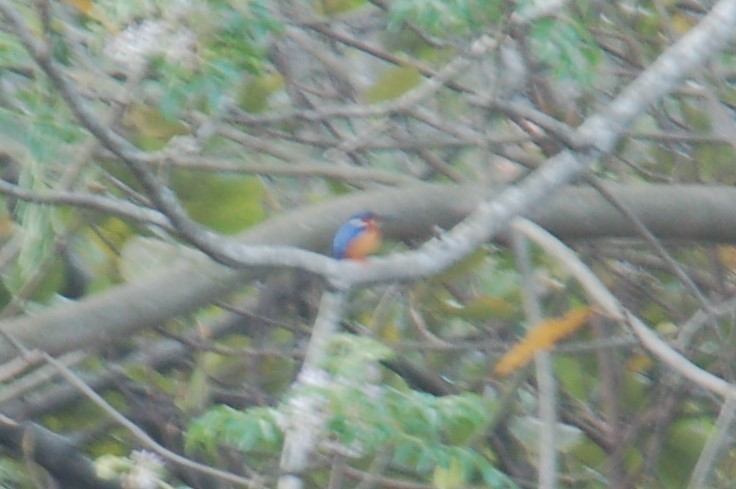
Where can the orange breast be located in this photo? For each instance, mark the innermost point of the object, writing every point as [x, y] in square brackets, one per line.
[365, 244]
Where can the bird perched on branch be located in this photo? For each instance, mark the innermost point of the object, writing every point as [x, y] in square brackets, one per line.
[359, 237]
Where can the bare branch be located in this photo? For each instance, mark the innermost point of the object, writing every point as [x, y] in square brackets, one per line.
[545, 376]
[53, 452]
[715, 446]
[141, 435]
[305, 423]
[297, 167]
[115, 207]
[603, 298]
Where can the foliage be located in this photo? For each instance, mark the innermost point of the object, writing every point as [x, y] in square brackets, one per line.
[434, 436]
[392, 84]
[13, 475]
[226, 204]
[233, 40]
[253, 429]
[568, 48]
[443, 17]
[564, 43]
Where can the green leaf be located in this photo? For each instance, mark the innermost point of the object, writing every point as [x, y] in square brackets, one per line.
[253, 97]
[333, 7]
[682, 449]
[407, 452]
[575, 378]
[351, 354]
[151, 127]
[197, 394]
[393, 83]
[464, 416]
[715, 163]
[445, 17]
[494, 477]
[568, 47]
[148, 376]
[227, 204]
[253, 429]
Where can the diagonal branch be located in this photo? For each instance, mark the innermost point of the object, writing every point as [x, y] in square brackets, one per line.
[604, 299]
[53, 452]
[717, 443]
[141, 435]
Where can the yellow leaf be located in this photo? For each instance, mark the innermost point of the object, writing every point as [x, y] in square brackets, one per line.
[543, 336]
[639, 363]
[450, 477]
[727, 254]
[682, 23]
[84, 6]
[390, 333]
[481, 307]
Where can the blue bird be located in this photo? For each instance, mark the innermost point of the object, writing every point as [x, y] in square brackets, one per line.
[359, 237]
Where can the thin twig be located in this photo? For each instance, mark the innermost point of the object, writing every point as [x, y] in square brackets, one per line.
[141, 435]
[716, 445]
[94, 202]
[604, 299]
[645, 233]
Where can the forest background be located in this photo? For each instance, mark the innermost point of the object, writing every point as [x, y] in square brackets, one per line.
[553, 305]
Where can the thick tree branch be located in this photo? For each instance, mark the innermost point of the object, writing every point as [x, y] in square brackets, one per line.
[53, 452]
[305, 425]
[699, 213]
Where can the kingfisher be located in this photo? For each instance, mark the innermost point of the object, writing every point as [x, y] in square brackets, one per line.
[359, 237]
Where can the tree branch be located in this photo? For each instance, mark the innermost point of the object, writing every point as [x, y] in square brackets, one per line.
[115, 207]
[53, 452]
[141, 435]
[547, 478]
[671, 212]
[611, 306]
[306, 419]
